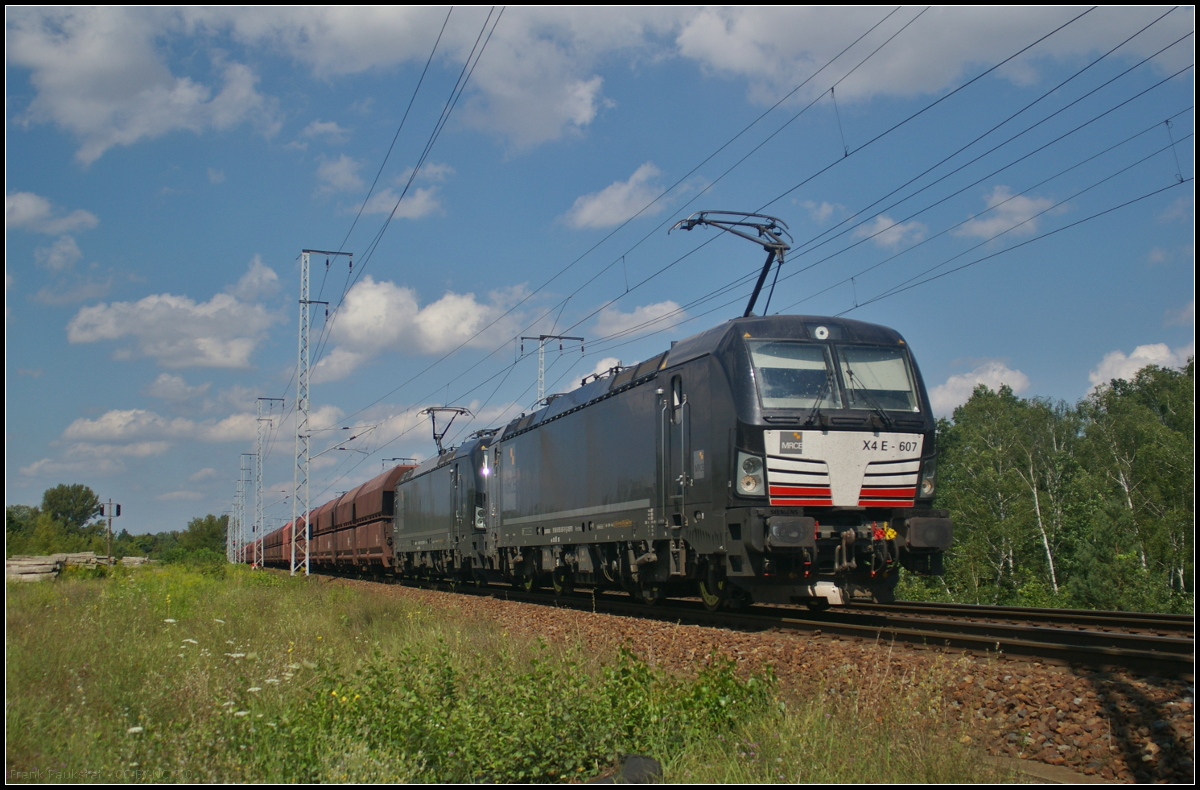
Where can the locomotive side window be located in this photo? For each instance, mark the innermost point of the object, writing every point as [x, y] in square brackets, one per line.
[676, 399]
[875, 375]
[793, 375]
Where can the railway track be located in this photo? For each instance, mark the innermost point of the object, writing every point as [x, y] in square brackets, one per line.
[1126, 622]
[1145, 643]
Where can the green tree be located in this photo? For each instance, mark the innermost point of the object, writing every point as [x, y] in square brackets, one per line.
[1088, 505]
[980, 482]
[1139, 448]
[73, 506]
[205, 533]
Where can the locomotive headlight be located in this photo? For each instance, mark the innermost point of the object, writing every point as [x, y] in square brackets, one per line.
[928, 477]
[751, 481]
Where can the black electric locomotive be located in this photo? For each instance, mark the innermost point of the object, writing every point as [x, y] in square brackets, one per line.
[776, 459]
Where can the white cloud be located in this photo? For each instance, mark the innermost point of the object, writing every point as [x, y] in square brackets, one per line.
[215, 176]
[536, 81]
[419, 202]
[79, 291]
[889, 234]
[775, 48]
[339, 175]
[131, 424]
[34, 212]
[603, 366]
[179, 496]
[1184, 316]
[175, 389]
[207, 473]
[136, 449]
[59, 256]
[618, 201]
[382, 316]
[430, 171]
[99, 73]
[259, 280]
[646, 318]
[179, 332]
[821, 212]
[945, 398]
[1116, 365]
[327, 129]
[1182, 209]
[48, 467]
[1006, 211]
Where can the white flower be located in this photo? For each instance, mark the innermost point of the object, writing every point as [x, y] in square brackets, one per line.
[133, 730]
[236, 655]
[254, 689]
[273, 681]
[191, 641]
[226, 704]
[242, 713]
[218, 620]
[168, 620]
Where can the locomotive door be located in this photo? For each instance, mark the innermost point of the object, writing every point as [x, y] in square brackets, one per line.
[674, 435]
[461, 507]
[685, 482]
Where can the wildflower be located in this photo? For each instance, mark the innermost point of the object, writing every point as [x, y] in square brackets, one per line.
[236, 656]
[242, 713]
[273, 681]
[218, 620]
[169, 620]
[254, 689]
[191, 641]
[133, 730]
[226, 704]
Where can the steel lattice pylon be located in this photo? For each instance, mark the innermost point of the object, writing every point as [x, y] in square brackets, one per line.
[300, 472]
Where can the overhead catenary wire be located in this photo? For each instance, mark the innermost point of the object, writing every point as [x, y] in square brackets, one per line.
[612, 233]
[874, 139]
[472, 60]
[1024, 49]
[508, 369]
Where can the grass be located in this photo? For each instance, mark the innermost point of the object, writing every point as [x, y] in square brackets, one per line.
[169, 674]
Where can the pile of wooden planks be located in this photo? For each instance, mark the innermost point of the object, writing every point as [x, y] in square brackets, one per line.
[25, 568]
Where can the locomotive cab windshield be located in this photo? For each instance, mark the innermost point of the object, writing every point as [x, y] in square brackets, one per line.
[794, 374]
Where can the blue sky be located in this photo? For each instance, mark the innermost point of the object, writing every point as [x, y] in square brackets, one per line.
[165, 168]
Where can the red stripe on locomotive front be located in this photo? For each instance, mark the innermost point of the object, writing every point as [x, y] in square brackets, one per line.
[817, 491]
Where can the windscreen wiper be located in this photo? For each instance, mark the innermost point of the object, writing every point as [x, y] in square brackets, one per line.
[866, 394]
[815, 412]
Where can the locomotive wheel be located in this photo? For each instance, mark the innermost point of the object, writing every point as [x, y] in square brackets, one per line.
[528, 582]
[714, 592]
[563, 582]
